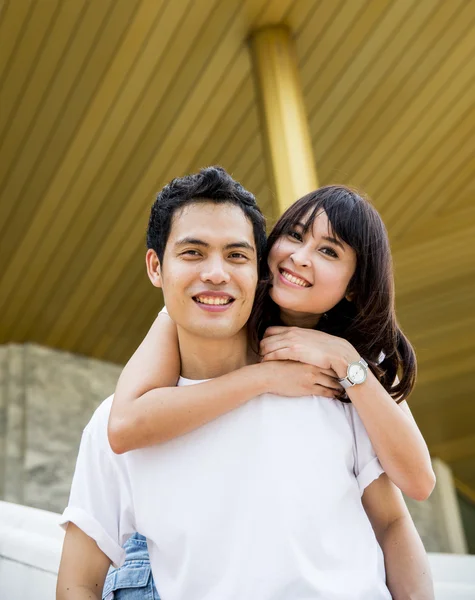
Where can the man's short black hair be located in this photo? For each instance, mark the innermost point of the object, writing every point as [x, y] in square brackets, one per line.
[212, 184]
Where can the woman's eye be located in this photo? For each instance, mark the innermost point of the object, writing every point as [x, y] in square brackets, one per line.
[329, 251]
[295, 235]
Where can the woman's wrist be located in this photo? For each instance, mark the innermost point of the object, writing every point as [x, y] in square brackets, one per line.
[258, 378]
[347, 354]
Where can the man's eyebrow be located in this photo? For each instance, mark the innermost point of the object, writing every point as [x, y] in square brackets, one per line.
[196, 242]
[243, 245]
[192, 242]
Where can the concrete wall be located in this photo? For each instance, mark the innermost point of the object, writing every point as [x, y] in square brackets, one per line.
[47, 397]
[438, 519]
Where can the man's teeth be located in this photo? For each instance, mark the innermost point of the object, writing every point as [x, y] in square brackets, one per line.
[294, 279]
[209, 300]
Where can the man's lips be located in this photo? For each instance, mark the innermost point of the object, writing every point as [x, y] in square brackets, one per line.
[289, 277]
[213, 300]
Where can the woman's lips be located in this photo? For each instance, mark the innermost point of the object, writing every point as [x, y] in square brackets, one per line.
[293, 280]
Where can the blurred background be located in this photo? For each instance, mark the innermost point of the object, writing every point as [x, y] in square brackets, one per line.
[102, 102]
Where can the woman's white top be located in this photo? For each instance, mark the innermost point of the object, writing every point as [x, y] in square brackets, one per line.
[263, 503]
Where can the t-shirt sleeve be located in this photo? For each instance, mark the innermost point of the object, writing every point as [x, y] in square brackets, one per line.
[100, 503]
[367, 466]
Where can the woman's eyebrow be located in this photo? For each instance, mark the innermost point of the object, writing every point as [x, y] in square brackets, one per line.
[333, 240]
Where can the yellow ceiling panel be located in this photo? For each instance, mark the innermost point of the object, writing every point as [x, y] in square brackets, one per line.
[14, 18]
[20, 117]
[437, 187]
[55, 208]
[22, 61]
[433, 111]
[447, 257]
[444, 426]
[53, 126]
[455, 449]
[353, 117]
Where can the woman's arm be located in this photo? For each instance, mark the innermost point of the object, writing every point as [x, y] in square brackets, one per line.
[407, 567]
[148, 409]
[395, 436]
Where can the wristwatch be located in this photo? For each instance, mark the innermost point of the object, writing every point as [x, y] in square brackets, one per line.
[355, 374]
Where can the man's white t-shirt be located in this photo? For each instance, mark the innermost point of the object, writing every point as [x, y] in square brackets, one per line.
[262, 503]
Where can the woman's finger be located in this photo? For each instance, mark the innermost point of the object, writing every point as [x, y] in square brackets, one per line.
[281, 354]
[273, 343]
[275, 330]
[330, 373]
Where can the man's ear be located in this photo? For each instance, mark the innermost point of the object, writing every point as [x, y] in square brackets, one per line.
[153, 268]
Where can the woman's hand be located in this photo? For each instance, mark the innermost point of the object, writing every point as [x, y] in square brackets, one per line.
[294, 379]
[330, 353]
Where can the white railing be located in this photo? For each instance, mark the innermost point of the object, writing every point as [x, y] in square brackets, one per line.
[30, 551]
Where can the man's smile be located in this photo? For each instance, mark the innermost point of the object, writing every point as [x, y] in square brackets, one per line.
[213, 301]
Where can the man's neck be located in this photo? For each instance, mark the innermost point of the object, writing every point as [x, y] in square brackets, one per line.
[203, 358]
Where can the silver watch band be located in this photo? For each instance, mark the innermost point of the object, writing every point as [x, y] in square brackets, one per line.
[346, 382]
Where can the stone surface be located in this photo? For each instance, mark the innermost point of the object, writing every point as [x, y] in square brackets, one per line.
[15, 425]
[3, 414]
[47, 398]
[425, 515]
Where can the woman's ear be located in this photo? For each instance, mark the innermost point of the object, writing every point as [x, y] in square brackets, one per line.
[350, 296]
[153, 268]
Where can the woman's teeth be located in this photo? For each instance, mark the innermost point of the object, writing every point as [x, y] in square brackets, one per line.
[294, 279]
[215, 301]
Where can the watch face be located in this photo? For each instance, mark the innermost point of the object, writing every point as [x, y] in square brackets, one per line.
[356, 373]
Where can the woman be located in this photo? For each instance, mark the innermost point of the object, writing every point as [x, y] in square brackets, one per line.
[328, 299]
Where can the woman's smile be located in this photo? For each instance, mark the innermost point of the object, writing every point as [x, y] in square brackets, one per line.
[290, 278]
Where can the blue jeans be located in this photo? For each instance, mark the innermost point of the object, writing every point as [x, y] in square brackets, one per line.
[134, 580]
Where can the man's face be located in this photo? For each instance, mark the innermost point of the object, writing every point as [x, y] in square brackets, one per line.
[209, 270]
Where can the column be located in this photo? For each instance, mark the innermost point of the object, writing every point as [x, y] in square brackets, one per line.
[289, 156]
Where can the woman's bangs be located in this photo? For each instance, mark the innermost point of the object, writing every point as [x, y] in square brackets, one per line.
[341, 218]
[342, 207]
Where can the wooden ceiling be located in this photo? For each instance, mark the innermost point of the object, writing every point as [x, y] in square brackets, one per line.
[104, 101]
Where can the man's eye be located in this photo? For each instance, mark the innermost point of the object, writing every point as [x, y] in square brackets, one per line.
[329, 251]
[191, 253]
[238, 256]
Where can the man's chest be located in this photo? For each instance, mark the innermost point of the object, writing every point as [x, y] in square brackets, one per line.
[267, 459]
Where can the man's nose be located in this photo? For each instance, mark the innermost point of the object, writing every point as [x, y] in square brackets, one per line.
[215, 272]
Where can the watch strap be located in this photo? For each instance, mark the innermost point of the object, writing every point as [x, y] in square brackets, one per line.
[345, 381]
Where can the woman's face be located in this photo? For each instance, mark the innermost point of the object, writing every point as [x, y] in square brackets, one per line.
[310, 272]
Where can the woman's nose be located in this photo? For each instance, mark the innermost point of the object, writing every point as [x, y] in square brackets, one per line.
[301, 258]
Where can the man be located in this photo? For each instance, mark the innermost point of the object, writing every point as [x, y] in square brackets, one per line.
[249, 505]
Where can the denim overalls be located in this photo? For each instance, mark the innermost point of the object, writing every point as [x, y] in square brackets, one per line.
[132, 581]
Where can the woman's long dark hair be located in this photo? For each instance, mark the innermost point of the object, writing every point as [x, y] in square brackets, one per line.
[368, 321]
